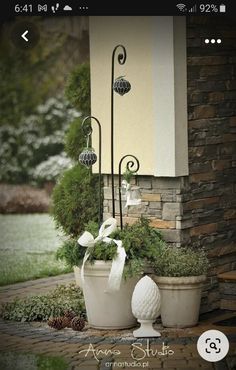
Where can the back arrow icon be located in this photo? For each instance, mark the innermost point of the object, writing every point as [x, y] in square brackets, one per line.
[24, 35]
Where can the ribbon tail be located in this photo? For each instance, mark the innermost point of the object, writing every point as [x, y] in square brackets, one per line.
[127, 198]
[117, 268]
[86, 256]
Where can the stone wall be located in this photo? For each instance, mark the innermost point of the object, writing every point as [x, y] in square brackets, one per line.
[161, 203]
[199, 210]
[210, 201]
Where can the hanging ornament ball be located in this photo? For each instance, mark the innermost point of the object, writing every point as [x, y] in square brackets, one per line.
[88, 157]
[121, 86]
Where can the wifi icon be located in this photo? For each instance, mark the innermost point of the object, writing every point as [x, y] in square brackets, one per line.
[181, 7]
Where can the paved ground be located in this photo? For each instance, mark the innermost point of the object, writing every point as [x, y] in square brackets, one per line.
[110, 349]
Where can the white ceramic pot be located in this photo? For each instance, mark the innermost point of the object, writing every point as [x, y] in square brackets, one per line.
[180, 300]
[77, 276]
[106, 310]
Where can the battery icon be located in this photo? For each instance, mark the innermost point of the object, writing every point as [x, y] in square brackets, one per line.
[222, 8]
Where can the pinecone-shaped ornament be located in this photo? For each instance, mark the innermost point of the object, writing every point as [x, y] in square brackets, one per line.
[57, 322]
[77, 323]
[121, 86]
[69, 315]
[88, 157]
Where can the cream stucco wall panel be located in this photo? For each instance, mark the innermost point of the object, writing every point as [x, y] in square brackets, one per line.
[181, 109]
[144, 119]
[170, 97]
[163, 97]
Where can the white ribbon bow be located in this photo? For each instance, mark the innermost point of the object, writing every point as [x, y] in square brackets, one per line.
[128, 189]
[87, 240]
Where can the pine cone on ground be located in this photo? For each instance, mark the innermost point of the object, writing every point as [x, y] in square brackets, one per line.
[77, 323]
[69, 315]
[57, 322]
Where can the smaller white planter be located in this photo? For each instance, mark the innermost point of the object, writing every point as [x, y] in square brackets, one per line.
[106, 310]
[180, 300]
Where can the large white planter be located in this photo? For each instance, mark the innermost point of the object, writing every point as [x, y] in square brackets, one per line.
[106, 310]
[77, 276]
[180, 300]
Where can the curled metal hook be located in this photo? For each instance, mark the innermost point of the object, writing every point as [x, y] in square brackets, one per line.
[121, 56]
[132, 166]
[88, 130]
[121, 60]
[86, 126]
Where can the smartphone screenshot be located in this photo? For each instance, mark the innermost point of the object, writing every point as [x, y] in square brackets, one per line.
[117, 185]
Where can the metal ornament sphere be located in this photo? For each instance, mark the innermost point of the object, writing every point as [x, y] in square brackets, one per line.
[88, 157]
[121, 86]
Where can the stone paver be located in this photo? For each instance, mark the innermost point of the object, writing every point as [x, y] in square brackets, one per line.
[94, 349]
[33, 287]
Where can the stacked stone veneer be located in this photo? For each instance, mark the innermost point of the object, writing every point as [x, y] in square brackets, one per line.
[199, 210]
[211, 199]
[161, 203]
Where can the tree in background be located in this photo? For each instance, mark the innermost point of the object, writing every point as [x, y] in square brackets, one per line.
[34, 115]
[27, 152]
[29, 77]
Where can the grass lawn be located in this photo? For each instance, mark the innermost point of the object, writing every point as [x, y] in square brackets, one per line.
[30, 361]
[27, 248]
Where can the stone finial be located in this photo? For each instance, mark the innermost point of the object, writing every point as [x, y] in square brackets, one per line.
[146, 303]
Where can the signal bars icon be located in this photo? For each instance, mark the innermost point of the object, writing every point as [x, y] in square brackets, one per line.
[193, 9]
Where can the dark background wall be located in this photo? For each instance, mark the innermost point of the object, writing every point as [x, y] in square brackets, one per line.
[210, 199]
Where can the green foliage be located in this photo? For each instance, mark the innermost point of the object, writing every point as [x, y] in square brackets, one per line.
[70, 253]
[135, 267]
[76, 196]
[140, 240]
[75, 200]
[75, 140]
[51, 363]
[173, 261]
[103, 251]
[92, 227]
[128, 175]
[78, 88]
[28, 361]
[29, 77]
[41, 307]
[19, 97]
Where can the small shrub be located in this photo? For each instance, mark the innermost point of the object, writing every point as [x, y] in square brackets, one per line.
[75, 140]
[173, 261]
[75, 200]
[41, 307]
[78, 88]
